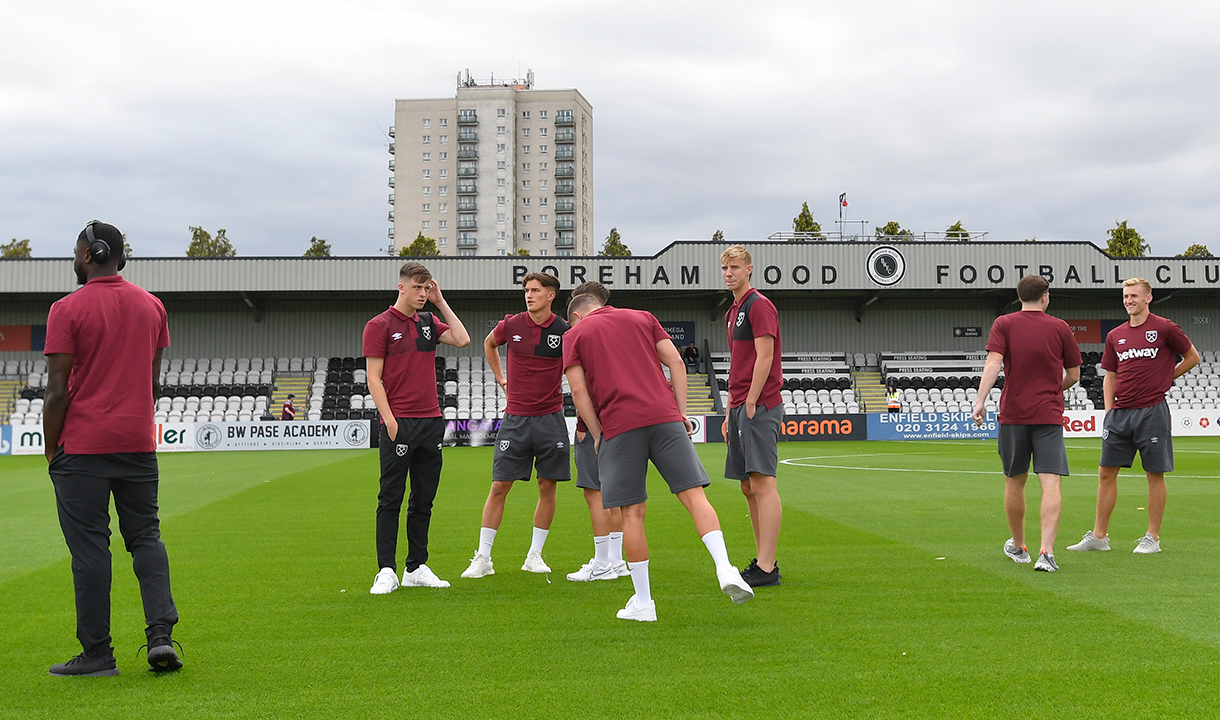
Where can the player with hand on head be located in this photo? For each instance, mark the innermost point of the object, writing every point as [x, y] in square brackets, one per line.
[533, 431]
[103, 348]
[612, 357]
[400, 345]
[607, 562]
[1040, 359]
[756, 410]
[1141, 363]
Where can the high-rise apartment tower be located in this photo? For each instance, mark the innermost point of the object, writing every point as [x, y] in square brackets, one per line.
[498, 168]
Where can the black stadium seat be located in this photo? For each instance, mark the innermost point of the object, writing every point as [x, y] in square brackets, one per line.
[328, 403]
[362, 363]
[334, 363]
[328, 415]
[340, 414]
[349, 363]
[333, 376]
[819, 383]
[346, 376]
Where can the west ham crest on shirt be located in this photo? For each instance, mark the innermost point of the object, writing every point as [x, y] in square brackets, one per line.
[741, 317]
[1150, 335]
[426, 331]
[553, 340]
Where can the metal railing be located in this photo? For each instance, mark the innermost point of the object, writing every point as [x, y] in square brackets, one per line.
[835, 236]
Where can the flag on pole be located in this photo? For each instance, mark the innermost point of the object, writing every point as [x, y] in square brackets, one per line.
[842, 204]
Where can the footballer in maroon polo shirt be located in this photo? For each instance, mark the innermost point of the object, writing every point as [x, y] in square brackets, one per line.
[400, 345]
[103, 348]
[1141, 363]
[533, 434]
[613, 357]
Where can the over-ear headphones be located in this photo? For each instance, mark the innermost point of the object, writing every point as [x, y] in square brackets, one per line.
[99, 250]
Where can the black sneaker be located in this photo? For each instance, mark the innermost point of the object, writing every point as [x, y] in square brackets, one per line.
[759, 578]
[163, 658]
[82, 666]
[750, 571]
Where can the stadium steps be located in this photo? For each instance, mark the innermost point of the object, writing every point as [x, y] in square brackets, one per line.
[285, 386]
[870, 392]
[10, 390]
[699, 395]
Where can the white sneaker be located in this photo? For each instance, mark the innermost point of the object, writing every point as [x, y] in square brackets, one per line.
[593, 570]
[1018, 554]
[385, 583]
[1147, 546]
[1046, 563]
[644, 612]
[621, 570]
[534, 564]
[732, 585]
[480, 566]
[1091, 542]
[422, 577]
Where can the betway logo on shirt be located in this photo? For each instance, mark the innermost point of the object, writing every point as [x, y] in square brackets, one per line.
[1138, 353]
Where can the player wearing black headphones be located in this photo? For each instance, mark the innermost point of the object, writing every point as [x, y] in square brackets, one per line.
[103, 348]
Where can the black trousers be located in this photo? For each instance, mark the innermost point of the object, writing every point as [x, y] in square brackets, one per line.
[83, 486]
[415, 452]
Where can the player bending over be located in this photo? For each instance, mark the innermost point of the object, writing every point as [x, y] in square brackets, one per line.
[611, 358]
[533, 430]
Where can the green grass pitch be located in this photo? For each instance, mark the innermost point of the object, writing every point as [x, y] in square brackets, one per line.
[897, 600]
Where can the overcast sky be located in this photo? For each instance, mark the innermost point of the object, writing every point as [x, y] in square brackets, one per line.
[1035, 119]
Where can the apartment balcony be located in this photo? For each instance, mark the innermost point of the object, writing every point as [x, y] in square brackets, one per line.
[468, 118]
[391, 163]
[565, 188]
[564, 223]
[391, 198]
[391, 148]
[391, 216]
[468, 154]
[391, 131]
[467, 172]
[563, 136]
[565, 153]
[468, 206]
[467, 240]
[391, 183]
[564, 170]
[566, 240]
[390, 234]
[467, 189]
[565, 206]
[561, 120]
[467, 224]
[467, 136]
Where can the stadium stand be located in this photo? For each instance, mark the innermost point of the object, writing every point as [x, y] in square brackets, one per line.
[814, 383]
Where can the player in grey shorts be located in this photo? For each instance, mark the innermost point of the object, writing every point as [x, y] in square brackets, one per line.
[542, 439]
[1147, 430]
[1044, 442]
[756, 449]
[623, 463]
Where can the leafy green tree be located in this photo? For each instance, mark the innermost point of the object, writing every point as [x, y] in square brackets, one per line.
[420, 247]
[1031, 239]
[804, 223]
[318, 247]
[15, 249]
[522, 251]
[1125, 241]
[614, 246]
[893, 230]
[1196, 251]
[203, 245]
[718, 236]
[127, 251]
[957, 232]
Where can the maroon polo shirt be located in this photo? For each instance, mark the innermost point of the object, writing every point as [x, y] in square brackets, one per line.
[535, 363]
[752, 316]
[1143, 358]
[113, 330]
[618, 350]
[408, 345]
[1036, 349]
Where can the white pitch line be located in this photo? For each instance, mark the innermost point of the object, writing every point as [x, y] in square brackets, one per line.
[795, 463]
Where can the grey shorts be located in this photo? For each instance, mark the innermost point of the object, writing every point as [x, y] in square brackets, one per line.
[541, 440]
[1147, 430]
[753, 444]
[1044, 442]
[622, 463]
[586, 464]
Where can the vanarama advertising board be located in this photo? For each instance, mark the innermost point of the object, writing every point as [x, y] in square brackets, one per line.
[796, 428]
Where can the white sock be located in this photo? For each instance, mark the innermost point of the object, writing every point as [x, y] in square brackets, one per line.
[715, 545]
[539, 540]
[487, 538]
[639, 578]
[616, 548]
[601, 549]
